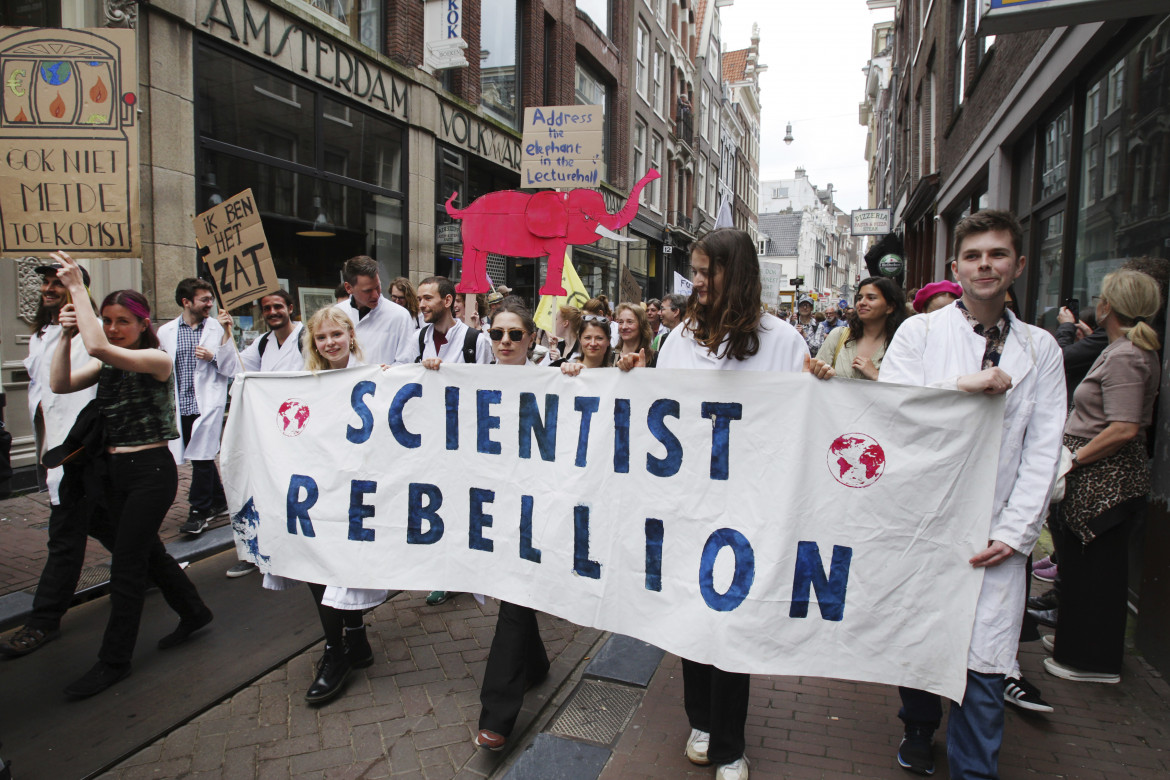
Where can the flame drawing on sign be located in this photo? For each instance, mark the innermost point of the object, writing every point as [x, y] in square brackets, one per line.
[57, 107]
[21, 117]
[98, 93]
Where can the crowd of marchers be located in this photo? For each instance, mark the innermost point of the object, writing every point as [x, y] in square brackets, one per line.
[117, 403]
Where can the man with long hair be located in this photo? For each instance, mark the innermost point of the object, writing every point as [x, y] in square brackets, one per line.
[725, 330]
[53, 414]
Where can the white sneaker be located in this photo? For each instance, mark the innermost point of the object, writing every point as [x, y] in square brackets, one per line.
[697, 744]
[1049, 642]
[736, 770]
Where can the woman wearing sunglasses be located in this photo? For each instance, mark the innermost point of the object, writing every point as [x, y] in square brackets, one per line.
[593, 341]
[517, 660]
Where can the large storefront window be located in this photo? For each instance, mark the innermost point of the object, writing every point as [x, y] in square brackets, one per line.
[1124, 208]
[499, 71]
[328, 176]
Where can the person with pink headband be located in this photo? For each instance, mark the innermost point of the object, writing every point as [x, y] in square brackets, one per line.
[936, 295]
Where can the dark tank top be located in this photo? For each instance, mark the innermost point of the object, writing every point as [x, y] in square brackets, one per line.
[138, 409]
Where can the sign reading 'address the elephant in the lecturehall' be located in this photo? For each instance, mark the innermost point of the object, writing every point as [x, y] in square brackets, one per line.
[562, 146]
[68, 142]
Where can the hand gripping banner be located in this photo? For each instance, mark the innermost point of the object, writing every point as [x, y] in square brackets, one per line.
[765, 523]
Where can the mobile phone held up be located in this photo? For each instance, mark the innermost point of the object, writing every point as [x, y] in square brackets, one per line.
[1073, 305]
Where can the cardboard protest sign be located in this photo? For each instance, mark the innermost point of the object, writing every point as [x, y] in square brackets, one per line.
[236, 251]
[69, 142]
[689, 509]
[562, 146]
[631, 291]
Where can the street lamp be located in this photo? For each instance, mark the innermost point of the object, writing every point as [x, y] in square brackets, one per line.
[788, 134]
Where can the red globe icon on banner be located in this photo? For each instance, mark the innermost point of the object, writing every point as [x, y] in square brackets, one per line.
[856, 460]
[294, 416]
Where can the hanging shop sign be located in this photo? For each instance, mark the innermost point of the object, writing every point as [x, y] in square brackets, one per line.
[891, 265]
[69, 142]
[871, 222]
[308, 51]
[1009, 16]
[443, 34]
[562, 146]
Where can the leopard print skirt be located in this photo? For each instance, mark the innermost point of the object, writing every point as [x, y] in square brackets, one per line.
[1101, 485]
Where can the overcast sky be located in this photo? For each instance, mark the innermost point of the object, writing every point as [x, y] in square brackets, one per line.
[814, 51]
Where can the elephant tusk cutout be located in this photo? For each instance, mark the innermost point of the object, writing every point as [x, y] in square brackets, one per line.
[603, 230]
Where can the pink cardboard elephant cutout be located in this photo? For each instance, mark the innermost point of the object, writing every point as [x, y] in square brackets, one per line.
[522, 224]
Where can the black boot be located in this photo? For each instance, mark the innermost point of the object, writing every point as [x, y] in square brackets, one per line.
[357, 648]
[1049, 600]
[332, 672]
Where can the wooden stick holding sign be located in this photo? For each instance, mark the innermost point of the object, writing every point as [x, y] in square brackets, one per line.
[236, 251]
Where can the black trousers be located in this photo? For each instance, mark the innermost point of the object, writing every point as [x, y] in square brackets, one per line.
[716, 702]
[1094, 584]
[140, 488]
[516, 662]
[68, 528]
[206, 488]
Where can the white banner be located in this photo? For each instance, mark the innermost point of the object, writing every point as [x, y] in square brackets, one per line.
[766, 523]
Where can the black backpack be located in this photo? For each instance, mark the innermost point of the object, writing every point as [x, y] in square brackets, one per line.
[470, 337]
[263, 345]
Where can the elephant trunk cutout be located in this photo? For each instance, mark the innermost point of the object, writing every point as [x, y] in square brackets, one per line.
[522, 224]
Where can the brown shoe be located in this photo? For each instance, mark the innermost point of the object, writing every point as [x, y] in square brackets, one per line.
[25, 640]
[489, 740]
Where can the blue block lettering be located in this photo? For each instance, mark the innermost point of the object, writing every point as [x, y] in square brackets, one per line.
[452, 397]
[357, 401]
[397, 427]
[721, 416]
[527, 551]
[581, 563]
[297, 508]
[486, 422]
[656, 421]
[621, 435]
[359, 511]
[416, 513]
[480, 520]
[586, 405]
[531, 426]
[654, 534]
[745, 569]
[810, 574]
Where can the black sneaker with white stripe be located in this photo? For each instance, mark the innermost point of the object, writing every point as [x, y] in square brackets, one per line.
[1025, 695]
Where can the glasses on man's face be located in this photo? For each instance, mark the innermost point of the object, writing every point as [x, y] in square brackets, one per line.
[514, 334]
[597, 318]
[400, 299]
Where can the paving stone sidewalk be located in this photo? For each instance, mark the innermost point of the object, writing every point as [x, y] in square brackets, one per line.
[412, 714]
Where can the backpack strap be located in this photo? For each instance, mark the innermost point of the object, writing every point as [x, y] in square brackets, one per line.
[422, 336]
[470, 339]
[263, 345]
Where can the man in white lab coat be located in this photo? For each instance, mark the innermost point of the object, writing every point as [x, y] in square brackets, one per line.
[53, 415]
[978, 346]
[277, 350]
[192, 339]
[385, 330]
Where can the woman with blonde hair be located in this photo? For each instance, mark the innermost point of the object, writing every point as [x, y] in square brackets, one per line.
[1106, 489]
[329, 343]
[634, 332]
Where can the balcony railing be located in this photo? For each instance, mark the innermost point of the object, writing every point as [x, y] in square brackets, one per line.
[684, 125]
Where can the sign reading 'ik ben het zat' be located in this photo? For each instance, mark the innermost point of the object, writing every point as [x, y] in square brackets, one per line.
[68, 142]
[562, 146]
[231, 239]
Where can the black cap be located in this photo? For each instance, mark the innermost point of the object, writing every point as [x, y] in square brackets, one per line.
[53, 268]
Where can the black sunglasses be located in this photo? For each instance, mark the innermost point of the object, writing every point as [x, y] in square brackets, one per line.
[514, 334]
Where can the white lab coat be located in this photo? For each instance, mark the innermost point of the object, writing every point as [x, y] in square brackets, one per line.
[781, 349]
[335, 596]
[58, 410]
[452, 351]
[276, 357]
[210, 393]
[934, 350]
[387, 335]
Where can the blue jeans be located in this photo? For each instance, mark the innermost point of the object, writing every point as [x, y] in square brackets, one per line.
[975, 728]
